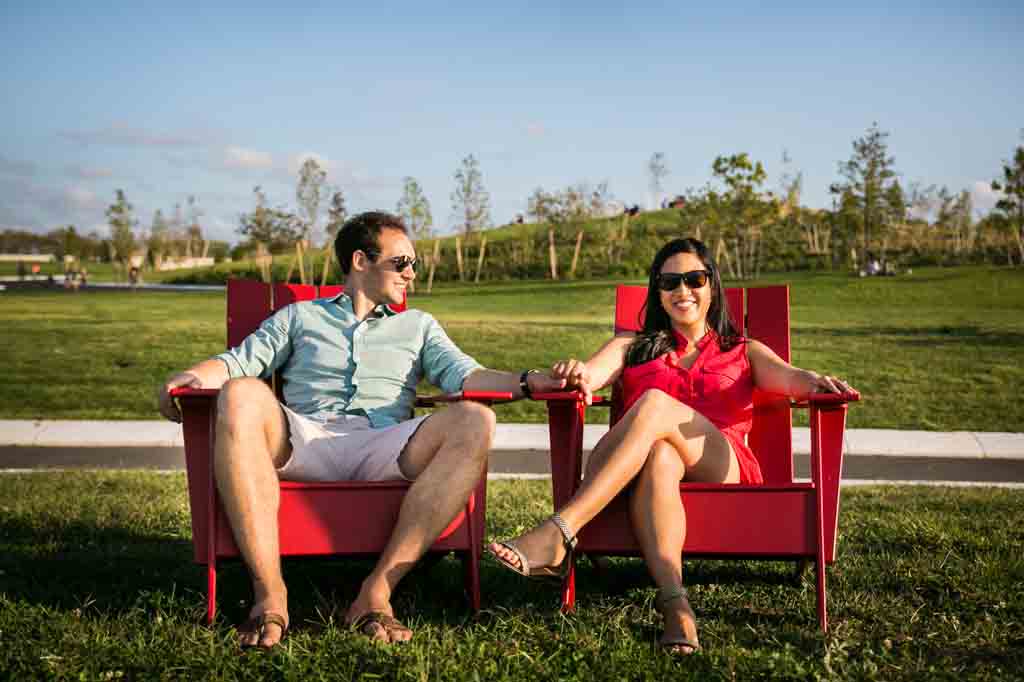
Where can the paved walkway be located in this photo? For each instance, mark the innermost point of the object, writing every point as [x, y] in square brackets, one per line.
[522, 450]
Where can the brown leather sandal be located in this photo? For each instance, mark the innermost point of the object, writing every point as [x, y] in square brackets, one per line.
[676, 645]
[258, 625]
[390, 624]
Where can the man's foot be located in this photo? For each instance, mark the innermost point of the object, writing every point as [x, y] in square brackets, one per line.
[541, 552]
[267, 625]
[371, 615]
[680, 636]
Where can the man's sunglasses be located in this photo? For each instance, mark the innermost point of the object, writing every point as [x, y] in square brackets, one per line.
[400, 262]
[694, 279]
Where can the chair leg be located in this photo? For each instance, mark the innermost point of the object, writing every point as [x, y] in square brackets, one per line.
[822, 599]
[211, 590]
[569, 589]
[471, 570]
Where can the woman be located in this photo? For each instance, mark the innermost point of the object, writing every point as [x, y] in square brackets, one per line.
[688, 381]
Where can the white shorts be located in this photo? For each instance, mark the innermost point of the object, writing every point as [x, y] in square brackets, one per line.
[347, 449]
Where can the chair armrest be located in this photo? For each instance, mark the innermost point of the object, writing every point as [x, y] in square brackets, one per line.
[487, 397]
[194, 392]
[571, 396]
[828, 399]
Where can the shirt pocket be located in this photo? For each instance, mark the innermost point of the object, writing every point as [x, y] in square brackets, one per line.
[723, 386]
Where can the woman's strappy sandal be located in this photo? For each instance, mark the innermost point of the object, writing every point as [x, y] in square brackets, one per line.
[676, 645]
[547, 572]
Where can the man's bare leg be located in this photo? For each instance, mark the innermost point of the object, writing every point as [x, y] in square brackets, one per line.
[252, 441]
[620, 456]
[659, 523]
[445, 457]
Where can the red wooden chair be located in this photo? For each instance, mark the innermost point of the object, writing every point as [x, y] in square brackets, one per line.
[314, 518]
[780, 519]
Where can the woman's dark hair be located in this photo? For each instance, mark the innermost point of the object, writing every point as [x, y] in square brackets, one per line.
[362, 233]
[656, 338]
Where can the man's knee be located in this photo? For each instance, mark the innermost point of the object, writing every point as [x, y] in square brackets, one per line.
[475, 420]
[243, 403]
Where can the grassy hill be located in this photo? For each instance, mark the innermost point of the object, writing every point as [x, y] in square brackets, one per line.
[938, 350]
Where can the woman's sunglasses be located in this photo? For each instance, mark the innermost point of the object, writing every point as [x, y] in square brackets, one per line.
[694, 279]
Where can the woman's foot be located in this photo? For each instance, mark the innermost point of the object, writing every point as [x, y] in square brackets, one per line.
[541, 552]
[680, 636]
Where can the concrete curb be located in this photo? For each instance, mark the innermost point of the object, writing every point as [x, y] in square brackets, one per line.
[525, 437]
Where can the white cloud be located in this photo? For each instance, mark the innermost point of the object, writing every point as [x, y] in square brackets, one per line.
[89, 172]
[125, 135]
[81, 198]
[15, 167]
[983, 196]
[239, 158]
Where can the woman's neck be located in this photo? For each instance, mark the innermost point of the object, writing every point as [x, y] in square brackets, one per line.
[691, 334]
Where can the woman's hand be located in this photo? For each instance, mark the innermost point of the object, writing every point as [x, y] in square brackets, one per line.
[576, 375]
[824, 383]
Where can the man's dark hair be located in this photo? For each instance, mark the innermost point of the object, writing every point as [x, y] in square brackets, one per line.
[362, 233]
[656, 338]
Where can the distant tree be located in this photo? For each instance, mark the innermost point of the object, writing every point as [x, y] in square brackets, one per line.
[194, 232]
[308, 193]
[470, 201]
[415, 209]
[1011, 204]
[657, 171]
[868, 174]
[275, 228]
[122, 224]
[894, 214]
[337, 214]
[740, 211]
[158, 239]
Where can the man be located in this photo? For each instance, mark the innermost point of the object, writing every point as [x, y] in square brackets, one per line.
[350, 366]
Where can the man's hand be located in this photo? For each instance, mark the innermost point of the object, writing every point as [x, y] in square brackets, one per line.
[168, 408]
[575, 374]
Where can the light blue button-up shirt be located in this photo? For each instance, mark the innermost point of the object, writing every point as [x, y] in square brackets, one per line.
[334, 364]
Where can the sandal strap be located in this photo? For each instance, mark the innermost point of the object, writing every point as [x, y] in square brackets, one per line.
[569, 537]
[524, 563]
[271, 618]
[665, 595]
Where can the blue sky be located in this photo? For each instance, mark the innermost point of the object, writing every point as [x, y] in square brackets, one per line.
[211, 99]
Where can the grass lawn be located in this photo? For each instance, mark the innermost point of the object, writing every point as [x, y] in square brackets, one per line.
[97, 583]
[938, 350]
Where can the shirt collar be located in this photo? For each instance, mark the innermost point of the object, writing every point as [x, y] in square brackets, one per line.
[682, 343]
[345, 301]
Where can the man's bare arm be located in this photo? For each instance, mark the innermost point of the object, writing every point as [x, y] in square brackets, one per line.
[212, 373]
[493, 380]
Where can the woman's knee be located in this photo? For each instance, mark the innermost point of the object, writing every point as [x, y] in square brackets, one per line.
[663, 464]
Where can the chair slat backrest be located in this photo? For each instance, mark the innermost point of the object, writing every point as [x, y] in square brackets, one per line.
[772, 434]
[765, 317]
[248, 305]
[250, 302]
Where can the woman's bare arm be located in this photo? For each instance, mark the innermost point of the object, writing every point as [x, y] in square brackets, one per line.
[601, 369]
[775, 375]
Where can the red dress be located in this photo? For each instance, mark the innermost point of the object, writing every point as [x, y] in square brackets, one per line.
[719, 385]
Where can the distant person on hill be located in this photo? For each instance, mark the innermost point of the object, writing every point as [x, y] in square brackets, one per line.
[350, 366]
[688, 381]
